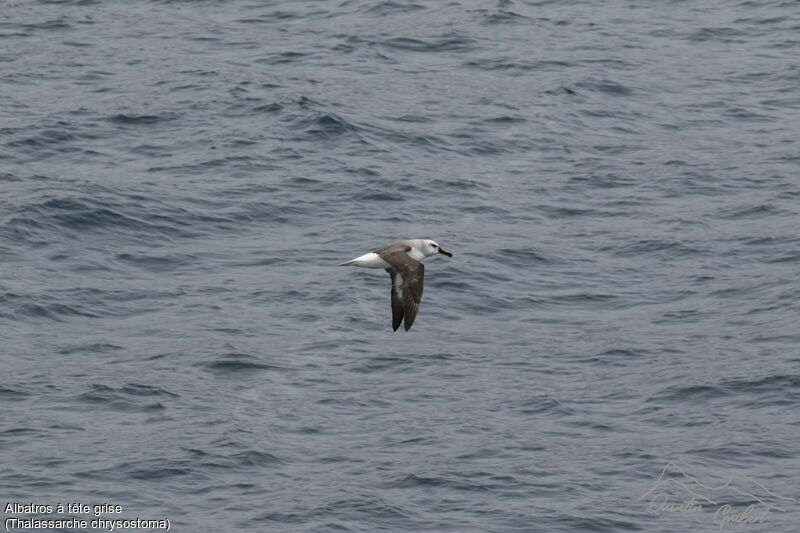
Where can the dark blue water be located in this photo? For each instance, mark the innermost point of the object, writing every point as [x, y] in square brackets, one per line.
[619, 182]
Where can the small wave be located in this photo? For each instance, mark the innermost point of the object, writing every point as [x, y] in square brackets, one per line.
[662, 247]
[525, 256]
[235, 362]
[89, 348]
[745, 212]
[131, 397]
[60, 23]
[49, 308]
[691, 393]
[421, 481]
[77, 44]
[565, 211]
[541, 404]
[80, 214]
[46, 139]
[456, 185]
[324, 125]
[789, 384]
[58, 306]
[505, 119]
[448, 43]
[137, 389]
[381, 9]
[271, 18]
[379, 196]
[236, 366]
[273, 107]
[776, 390]
[159, 470]
[723, 35]
[283, 58]
[139, 120]
[517, 66]
[331, 515]
[372, 363]
[503, 17]
[609, 87]
[255, 458]
[613, 357]
[158, 263]
[418, 119]
[12, 395]
[77, 215]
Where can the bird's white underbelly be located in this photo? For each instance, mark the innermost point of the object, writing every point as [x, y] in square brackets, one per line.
[370, 260]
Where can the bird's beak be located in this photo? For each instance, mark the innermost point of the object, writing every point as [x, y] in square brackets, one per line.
[445, 252]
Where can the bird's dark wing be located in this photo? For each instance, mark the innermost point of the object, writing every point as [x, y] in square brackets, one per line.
[412, 272]
[397, 302]
[399, 246]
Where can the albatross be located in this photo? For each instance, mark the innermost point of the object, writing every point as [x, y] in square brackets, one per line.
[402, 261]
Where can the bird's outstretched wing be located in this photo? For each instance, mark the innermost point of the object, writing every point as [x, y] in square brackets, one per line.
[397, 301]
[411, 273]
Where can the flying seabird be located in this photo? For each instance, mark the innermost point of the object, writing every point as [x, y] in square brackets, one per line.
[402, 261]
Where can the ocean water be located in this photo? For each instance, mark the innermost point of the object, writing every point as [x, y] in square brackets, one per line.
[620, 185]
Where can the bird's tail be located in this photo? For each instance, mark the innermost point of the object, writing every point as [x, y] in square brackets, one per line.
[351, 262]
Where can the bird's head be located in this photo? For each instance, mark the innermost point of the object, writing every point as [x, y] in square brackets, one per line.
[431, 248]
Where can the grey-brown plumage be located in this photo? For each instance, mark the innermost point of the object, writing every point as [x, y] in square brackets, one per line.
[402, 261]
[405, 301]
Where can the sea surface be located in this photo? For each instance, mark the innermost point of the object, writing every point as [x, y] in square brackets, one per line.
[619, 182]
